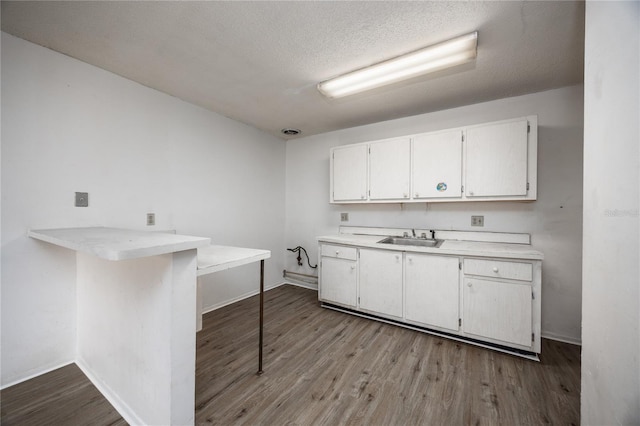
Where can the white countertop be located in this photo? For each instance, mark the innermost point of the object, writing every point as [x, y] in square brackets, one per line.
[118, 244]
[218, 258]
[449, 247]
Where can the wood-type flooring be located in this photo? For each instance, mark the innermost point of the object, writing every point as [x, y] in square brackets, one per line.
[323, 367]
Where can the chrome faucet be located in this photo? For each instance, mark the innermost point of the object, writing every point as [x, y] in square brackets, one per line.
[413, 231]
[433, 234]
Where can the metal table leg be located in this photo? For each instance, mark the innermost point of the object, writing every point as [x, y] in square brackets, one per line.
[261, 315]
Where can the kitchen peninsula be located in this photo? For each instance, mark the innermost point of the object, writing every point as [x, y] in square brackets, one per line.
[137, 314]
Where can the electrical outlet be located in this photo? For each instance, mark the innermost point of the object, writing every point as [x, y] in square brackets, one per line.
[151, 219]
[477, 220]
[344, 217]
[82, 199]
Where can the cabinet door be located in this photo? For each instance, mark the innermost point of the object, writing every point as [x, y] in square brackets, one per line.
[496, 160]
[338, 281]
[436, 164]
[431, 290]
[389, 163]
[497, 310]
[349, 173]
[381, 282]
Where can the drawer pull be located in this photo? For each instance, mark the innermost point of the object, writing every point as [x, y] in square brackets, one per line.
[469, 284]
[337, 252]
[495, 269]
[353, 267]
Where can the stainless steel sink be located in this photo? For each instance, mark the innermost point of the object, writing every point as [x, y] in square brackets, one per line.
[407, 241]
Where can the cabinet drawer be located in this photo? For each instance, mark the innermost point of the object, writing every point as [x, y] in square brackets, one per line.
[339, 252]
[499, 269]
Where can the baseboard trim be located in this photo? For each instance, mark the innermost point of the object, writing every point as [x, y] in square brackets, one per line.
[120, 406]
[237, 299]
[254, 293]
[34, 375]
[301, 284]
[560, 338]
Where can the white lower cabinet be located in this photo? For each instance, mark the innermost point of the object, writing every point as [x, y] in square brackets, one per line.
[499, 302]
[432, 290]
[381, 282]
[338, 275]
[492, 300]
[497, 310]
[339, 281]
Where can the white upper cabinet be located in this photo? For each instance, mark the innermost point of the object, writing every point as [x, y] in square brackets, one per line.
[389, 165]
[488, 162]
[436, 165]
[497, 160]
[349, 173]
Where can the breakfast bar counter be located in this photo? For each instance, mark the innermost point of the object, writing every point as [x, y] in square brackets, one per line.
[137, 314]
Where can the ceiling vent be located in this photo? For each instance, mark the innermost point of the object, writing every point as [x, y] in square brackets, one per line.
[290, 132]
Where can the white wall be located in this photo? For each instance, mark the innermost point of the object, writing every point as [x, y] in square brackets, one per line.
[68, 126]
[611, 271]
[554, 220]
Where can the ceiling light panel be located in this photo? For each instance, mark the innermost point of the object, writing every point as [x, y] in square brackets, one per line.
[430, 59]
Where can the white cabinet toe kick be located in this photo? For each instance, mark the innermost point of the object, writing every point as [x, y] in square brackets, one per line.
[452, 336]
[488, 298]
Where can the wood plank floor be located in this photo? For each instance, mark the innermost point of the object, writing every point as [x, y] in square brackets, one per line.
[62, 397]
[327, 368]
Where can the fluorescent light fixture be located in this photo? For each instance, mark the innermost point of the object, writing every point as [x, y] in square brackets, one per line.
[433, 58]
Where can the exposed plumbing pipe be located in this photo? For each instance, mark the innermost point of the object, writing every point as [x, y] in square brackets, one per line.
[311, 279]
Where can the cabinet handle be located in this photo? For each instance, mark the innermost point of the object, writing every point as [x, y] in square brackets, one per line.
[405, 195]
[353, 267]
[469, 284]
[410, 259]
[362, 197]
[337, 252]
[417, 195]
[470, 192]
[495, 269]
[397, 257]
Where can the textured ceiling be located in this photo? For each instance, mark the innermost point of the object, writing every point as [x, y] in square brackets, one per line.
[259, 62]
